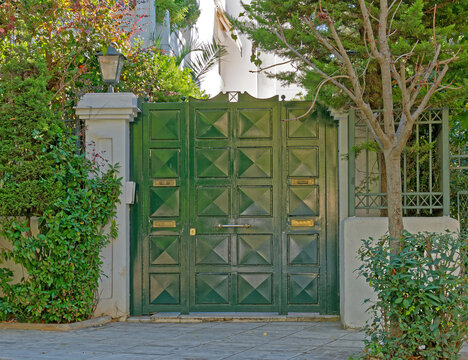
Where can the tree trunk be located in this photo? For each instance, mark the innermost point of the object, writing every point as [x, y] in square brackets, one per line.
[395, 207]
[395, 215]
[383, 184]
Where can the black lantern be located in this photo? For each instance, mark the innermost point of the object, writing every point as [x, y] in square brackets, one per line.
[111, 64]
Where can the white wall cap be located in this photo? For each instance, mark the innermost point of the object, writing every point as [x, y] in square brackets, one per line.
[411, 224]
[338, 114]
[108, 106]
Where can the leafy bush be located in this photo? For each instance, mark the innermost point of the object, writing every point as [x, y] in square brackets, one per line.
[423, 290]
[62, 261]
[155, 76]
[27, 126]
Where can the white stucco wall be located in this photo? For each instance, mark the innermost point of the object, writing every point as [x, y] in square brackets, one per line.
[353, 289]
[234, 72]
[107, 118]
[146, 15]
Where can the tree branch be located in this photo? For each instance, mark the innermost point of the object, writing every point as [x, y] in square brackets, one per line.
[323, 82]
[271, 66]
[281, 36]
[393, 16]
[369, 31]
[356, 97]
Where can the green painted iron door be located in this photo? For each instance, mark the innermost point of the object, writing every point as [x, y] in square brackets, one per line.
[236, 210]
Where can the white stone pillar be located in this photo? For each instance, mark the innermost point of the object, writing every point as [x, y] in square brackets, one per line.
[107, 117]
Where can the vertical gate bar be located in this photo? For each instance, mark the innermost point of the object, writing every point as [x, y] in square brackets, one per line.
[417, 169]
[331, 163]
[185, 236]
[136, 161]
[430, 161]
[405, 184]
[351, 162]
[445, 162]
[282, 188]
[367, 172]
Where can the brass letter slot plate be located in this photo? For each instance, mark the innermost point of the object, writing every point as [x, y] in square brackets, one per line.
[164, 182]
[302, 181]
[308, 223]
[164, 224]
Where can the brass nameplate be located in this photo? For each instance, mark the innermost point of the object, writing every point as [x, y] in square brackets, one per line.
[308, 223]
[164, 182]
[164, 223]
[302, 181]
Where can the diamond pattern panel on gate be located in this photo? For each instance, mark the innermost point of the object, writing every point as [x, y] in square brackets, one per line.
[255, 123]
[164, 202]
[303, 249]
[212, 163]
[303, 128]
[213, 201]
[212, 124]
[164, 163]
[164, 289]
[165, 125]
[212, 288]
[303, 162]
[255, 201]
[164, 250]
[254, 162]
[254, 288]
[304, 201]
[303, 289]
[255, 249]
[212, 249]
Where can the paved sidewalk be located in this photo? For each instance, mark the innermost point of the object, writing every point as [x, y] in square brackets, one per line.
[200, 341]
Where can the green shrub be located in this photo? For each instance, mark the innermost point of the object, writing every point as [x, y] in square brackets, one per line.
[422, 292]
[27, 126]
[62, 261]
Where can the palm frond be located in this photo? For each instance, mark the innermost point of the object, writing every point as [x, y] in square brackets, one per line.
[207, 55]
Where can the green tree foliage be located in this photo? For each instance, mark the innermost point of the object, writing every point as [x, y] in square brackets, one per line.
[412, 31]
[154, 76]
[47, 60]
[69, 33]
[182, 13]
[27, 128]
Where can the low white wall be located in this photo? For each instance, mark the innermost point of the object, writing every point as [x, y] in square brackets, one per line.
[353, 289]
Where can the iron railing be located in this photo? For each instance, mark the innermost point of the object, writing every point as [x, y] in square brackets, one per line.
[425, 168]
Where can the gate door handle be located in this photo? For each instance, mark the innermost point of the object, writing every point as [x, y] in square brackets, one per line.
[221, 226]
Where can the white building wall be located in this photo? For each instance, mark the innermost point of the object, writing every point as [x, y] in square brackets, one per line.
[235, 72]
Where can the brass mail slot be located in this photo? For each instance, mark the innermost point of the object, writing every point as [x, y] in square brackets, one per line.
[302, 181]
[307, 222]
[164, 223]
[164, 182]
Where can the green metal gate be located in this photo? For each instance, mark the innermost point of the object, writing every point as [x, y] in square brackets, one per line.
[235, 209]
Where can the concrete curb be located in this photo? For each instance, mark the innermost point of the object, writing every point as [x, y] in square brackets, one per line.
[103, 320]
[164, 318]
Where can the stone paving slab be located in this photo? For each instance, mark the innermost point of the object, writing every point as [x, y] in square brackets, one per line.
[99, 321]
[197, 341]
[175, 317]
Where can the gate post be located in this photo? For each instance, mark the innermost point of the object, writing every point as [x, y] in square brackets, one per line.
[107, 117]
